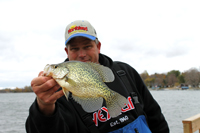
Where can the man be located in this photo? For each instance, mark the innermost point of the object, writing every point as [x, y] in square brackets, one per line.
[51, 112]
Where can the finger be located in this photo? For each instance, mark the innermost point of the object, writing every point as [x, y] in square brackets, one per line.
[47, 99]
[39, 81]
[49, 84]
[54, 89]
[41, 73]
[46, 87]
[56, 96]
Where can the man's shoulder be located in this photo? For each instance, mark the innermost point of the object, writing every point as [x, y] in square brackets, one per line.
[124, 66]
[121, 64]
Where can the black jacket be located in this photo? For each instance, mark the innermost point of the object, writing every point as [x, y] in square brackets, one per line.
[67, 120]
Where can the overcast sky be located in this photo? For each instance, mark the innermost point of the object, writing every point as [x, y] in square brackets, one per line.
[153, 35]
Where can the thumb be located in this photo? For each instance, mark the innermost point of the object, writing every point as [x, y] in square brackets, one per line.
[41, 73]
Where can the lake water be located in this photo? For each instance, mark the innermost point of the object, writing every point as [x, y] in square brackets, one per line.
[176, 105]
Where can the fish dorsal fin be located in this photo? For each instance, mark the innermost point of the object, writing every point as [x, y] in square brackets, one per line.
[89, 104]
[105, 72]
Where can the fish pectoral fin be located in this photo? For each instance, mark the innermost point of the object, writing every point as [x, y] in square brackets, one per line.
[66, 92]
[89, 104]
[105, 72]
[115, 103]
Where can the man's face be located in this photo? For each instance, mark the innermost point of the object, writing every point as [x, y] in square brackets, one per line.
[83, 49]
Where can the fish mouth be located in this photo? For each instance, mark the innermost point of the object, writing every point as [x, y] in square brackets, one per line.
[47, 70]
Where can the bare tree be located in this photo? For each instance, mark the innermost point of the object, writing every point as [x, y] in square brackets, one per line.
[144, 75]
[159, 79]
[192, 77]
[171, 79]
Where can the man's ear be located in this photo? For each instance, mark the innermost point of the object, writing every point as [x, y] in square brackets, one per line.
[66, 50]
[99, 46]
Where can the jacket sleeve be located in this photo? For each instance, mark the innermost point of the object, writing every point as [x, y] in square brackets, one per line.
[155, 118]
[38, 123]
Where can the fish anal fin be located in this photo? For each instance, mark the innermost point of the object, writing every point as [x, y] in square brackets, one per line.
[89, 104]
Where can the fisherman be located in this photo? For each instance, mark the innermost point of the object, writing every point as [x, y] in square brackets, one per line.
[51, 112]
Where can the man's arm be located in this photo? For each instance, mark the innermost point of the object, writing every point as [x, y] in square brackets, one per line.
[156, 120]
[42, 112]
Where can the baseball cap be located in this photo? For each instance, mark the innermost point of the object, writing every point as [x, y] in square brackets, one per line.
[79, 28]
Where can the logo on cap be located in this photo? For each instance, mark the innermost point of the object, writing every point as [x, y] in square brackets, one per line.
[75, 28]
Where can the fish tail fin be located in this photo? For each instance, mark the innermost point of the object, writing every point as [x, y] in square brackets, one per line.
[115, 103]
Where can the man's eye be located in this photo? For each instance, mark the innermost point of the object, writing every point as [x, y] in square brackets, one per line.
[73, 49]
[88, 46]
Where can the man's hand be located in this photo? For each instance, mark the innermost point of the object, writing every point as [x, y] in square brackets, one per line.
[45, 88]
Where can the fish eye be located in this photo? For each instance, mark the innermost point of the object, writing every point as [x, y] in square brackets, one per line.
[55, 66]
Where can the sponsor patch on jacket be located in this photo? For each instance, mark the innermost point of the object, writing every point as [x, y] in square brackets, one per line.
[102, 114]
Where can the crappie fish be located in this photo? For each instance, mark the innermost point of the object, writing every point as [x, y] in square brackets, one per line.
[85, 80]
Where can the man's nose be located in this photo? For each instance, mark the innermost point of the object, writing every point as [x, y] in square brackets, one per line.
[82, 53]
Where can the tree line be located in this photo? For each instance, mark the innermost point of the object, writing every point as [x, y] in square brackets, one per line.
[172, 78]
[17, 90]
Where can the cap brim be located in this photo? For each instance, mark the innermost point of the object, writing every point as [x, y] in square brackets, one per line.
[80, 34]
